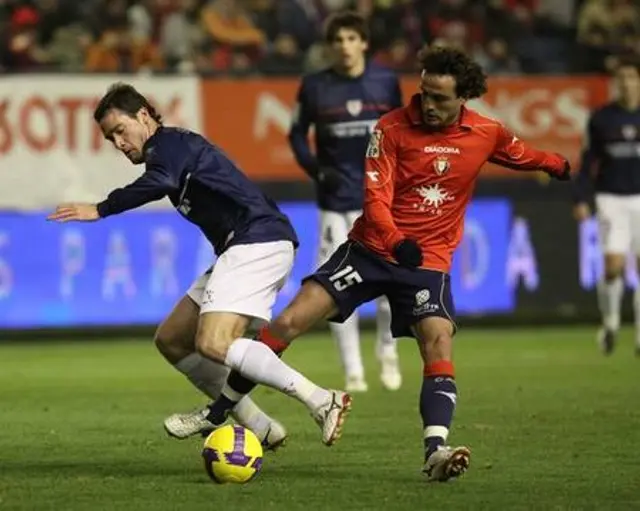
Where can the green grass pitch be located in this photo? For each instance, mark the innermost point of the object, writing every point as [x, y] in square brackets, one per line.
[552, 425]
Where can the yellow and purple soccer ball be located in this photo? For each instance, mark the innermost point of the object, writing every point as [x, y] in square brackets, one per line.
[232, 454]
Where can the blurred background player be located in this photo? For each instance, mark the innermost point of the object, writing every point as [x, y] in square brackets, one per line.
[422, 163]
[254, 242]
[343, 104]
[611, 168]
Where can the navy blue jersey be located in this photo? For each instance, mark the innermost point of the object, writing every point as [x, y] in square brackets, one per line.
[206, 187]
[343, 111]
[612, 151]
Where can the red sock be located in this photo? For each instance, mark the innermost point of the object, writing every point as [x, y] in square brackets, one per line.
[439, 368]
[266, 337]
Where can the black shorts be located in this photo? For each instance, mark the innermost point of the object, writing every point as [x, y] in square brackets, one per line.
[354, 275]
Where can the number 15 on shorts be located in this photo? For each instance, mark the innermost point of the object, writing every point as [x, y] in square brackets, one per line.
[345, 278]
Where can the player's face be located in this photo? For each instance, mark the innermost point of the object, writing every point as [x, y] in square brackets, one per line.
[348, 49]
[628, 81]
[440, 103]
[128, 134]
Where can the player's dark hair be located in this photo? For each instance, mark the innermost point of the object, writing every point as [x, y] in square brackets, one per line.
[124, 97]
[471, 80]
[349, 20]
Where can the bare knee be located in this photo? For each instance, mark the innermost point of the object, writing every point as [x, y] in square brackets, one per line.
[174, 338]
[216, 333]
[435, 339]
[614, 266]
[173, 344]
[312, 304]
[286, 327]
[439, 347]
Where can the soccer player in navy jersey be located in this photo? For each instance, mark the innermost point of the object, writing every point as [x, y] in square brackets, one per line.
[255, 244]
[611, 168]
[343, 104]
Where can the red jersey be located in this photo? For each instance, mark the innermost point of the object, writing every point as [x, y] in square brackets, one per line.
[418, 182]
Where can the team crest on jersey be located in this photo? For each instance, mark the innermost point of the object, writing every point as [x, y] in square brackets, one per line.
[354, 107]
[441, 165]
[629, 131]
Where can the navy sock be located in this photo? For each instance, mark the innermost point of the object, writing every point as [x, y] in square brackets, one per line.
[437, 404]
[236, 387]
[220, 409]
[239, 383]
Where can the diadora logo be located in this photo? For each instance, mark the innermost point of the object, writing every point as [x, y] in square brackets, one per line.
[437, 149]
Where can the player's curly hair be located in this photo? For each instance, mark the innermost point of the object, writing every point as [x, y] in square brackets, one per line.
[347, 19]
[124, 97]
[471, 80]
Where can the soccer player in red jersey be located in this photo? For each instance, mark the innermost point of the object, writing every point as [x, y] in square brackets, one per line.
[421, 166]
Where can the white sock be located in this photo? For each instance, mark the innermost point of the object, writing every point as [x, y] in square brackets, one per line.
[348, 340]
[210, 378]
[258, 363]
[206, 375]
[609, 301]
[248, 414]
[386, 345]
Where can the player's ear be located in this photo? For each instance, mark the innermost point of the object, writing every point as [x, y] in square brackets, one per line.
[143, 115]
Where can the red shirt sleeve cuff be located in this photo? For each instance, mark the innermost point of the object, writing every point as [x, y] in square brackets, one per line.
[556, 164]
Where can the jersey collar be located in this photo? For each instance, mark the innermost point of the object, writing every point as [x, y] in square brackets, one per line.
[414, 114]
[150, 142]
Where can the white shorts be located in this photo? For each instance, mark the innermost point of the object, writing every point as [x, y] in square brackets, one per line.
[619, 222]
[245, 280]
[334, 229]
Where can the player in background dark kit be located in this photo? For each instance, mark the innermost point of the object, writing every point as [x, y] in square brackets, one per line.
[611, 168]
[255, 245]
[343, 103]
[421, 167]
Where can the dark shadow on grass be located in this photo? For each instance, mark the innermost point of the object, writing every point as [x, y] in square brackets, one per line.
[337, 473]
[278, 474]
[91, 468]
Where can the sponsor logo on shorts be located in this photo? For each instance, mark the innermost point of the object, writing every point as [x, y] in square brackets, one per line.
[423, 305]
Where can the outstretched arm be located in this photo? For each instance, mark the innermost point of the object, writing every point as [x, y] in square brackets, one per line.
[161, 177]
[513, 153]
